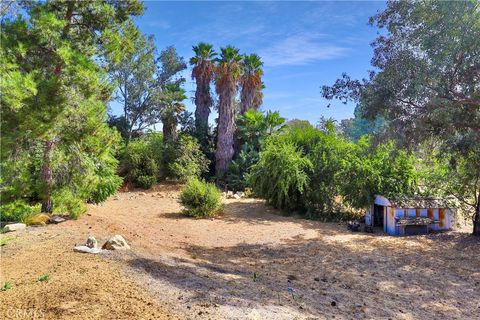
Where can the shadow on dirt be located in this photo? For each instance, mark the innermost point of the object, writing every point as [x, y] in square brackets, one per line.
[341, 273]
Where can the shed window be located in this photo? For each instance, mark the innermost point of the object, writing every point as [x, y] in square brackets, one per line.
[423, 213]
[412, 212]
[398, 213]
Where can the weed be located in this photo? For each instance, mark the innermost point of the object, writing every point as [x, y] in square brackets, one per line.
[7, 285]
[44, 277]
[5, 240]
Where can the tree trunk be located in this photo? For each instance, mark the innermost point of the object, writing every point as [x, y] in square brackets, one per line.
[169, 129]
[47, 176]
[47, 170]
[224, 153]
[203, 103]
[246, 99]
[476, 218]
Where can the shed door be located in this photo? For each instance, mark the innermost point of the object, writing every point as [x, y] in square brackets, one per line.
[378, 215]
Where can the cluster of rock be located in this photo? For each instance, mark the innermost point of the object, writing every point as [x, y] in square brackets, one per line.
[116, 242]
[231, 195]
[11, 227]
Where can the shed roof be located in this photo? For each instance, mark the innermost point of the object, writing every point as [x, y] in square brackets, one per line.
[422, 203]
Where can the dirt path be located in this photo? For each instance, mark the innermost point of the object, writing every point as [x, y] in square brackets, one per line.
[237, 266]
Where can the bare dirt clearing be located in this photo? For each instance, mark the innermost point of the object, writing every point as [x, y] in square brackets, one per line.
[237, 266]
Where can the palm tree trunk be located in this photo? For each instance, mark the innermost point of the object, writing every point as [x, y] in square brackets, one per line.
[169, 129]
[203, 102]
[246, 99]
[476, 218]
[47, 176]
[224, 153]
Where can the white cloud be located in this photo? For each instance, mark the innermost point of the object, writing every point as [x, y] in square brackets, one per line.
[299, 50]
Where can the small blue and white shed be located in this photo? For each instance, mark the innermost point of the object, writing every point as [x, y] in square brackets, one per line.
[410, 216]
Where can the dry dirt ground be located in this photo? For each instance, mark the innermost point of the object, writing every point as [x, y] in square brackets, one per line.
[249, 263]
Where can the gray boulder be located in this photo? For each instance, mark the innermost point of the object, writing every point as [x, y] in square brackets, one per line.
[15, 227]
[116, 242]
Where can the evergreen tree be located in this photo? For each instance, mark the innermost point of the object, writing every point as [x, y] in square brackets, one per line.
[53, 52]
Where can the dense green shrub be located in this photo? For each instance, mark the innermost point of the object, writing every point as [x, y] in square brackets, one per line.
[147, 160]
[252, 129]
[320, 173]
[88, 176]
[140, 164]
[184, 159]
[281, 175]
[18, 211]
[64, 201]
[200, 199]
[383, 170]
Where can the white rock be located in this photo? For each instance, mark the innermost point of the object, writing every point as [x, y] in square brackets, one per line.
[85, 249]
[241, 194]
[236, 196]
[91, 242]
[116, 242]
[15, 227]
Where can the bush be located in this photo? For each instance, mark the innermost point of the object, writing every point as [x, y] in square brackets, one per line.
[200, 199]
[18, 211]
[281, 175]
[64, 201]
[140, 164]
[184, 159]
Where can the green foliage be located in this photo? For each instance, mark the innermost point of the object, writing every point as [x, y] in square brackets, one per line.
[54, 95]
[44, 278]
[5, 240]
[281, 175]
[18, 211]
[313, 171]
[200, 199]
[184, 159]
[147, 160]
[66, 202]
[253, 127]
[455, 175]
[7, 285]
[140, 163]
[383, 170]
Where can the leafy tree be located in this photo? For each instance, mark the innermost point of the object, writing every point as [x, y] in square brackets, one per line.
[228, 72]
[427, 83]
[184, 159]
[203, 72]
[358, 127]
[381, 170]
[53, 46]
[133, 70]
[251, 82]
[281, 176]
[253, 128]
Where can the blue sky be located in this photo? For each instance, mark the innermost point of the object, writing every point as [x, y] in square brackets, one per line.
[304, 45]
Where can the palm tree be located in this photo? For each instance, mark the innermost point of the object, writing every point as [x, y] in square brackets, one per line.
[251, 82]
[171, 106]
[203, 72]
[258, 98]
[228, 72]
